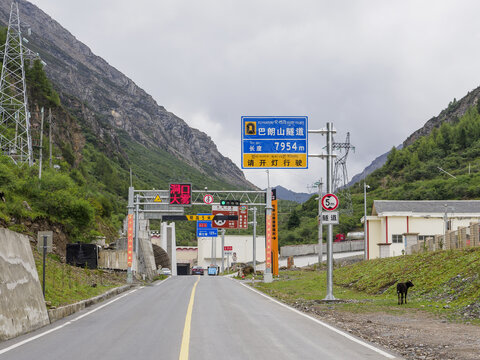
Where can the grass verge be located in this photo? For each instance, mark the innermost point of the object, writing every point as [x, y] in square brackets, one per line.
[447, 283]
[65, 284]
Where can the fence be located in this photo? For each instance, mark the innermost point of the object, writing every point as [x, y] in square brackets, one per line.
[462, 238]
[308, 249]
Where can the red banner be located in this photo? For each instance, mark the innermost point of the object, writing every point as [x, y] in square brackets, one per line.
[130, 240]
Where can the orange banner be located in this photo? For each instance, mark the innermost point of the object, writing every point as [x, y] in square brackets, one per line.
[130, 240]
[274, 237]
[268, 249]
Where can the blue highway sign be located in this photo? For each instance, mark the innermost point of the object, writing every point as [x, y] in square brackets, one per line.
[274, 142]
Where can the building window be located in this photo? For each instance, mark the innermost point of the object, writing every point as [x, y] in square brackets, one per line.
[397, 239]
[424, 237]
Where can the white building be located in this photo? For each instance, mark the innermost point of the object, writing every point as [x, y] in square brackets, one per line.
[395, 223]
[242, 248]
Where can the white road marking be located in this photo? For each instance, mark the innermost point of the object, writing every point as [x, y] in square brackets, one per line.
[161, 282]
[26, 341]
[340, 332]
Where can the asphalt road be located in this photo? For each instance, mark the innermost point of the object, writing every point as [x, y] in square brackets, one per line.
[225, 320]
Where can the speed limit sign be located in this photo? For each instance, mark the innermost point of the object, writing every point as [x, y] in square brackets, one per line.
[208, 199]
[330, 202]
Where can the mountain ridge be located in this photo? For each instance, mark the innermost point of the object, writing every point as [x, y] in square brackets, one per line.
[76, 71]
[451, 114]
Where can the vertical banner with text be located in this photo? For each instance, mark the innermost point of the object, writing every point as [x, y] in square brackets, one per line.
[130, 240]
[268, 248]
[274, 237]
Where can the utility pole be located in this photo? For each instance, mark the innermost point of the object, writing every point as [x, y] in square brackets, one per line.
[365, 232]
[50, 136]
[41, 146]
[320, 225]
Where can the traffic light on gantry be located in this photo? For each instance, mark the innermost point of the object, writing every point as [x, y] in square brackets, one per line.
[230, 202]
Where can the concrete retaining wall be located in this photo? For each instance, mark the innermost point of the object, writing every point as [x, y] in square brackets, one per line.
[112, 259]
[61, 312]
[22, 307]
[308, 249]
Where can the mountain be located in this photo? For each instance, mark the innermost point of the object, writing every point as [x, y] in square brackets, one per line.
[451, 114]
[454, 111]
[374, 165]
[285, 194]
[111, 108]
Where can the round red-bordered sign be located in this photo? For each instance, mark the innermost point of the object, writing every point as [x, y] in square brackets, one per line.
[208, 199]
[330, 202]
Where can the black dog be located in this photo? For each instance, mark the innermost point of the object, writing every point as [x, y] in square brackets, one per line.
[402, 288]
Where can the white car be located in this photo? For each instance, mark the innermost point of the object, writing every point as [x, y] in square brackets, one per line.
[167, 271]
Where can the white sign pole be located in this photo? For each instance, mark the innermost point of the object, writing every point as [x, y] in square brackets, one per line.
[329, 226]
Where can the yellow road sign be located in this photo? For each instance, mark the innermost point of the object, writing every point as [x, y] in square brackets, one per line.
[290, 161]
[199, 217]
[157, 199]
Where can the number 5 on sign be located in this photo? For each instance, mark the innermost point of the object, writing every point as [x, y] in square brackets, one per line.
[329, 202]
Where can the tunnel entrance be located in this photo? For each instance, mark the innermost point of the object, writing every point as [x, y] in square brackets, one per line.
[183, 269]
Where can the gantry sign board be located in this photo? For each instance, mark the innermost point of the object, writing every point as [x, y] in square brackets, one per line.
[274, 142]
[204, 228]
[181, 194]
[156, 203]
[241, 211]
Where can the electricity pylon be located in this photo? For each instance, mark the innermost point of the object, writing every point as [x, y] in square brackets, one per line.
[340, 174]
[15, 138]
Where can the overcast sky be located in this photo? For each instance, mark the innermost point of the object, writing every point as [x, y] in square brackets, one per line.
[378, 69]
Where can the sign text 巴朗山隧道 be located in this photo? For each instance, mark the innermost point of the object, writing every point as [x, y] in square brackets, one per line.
[278, 142]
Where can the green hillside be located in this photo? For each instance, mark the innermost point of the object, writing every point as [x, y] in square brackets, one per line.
[409, 174]
[86, 196]
[445, 282]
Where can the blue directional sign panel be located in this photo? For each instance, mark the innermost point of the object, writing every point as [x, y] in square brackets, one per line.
[204, 229]
[274, 142]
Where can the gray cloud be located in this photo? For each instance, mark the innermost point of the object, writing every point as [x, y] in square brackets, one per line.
[378, 69]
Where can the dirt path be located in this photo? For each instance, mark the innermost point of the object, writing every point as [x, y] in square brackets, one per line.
[417, 335]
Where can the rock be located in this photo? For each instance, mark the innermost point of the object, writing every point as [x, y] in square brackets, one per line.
[26, 206]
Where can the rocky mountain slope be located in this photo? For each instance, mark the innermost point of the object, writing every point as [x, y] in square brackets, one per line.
[451, 114]
[110, 101]
[454, 111]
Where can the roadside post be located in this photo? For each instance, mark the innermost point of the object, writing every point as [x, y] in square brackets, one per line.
[44, 258]
[223, 250]
[254, 223]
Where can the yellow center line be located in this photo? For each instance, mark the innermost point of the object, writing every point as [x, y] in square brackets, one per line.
[188, 320]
